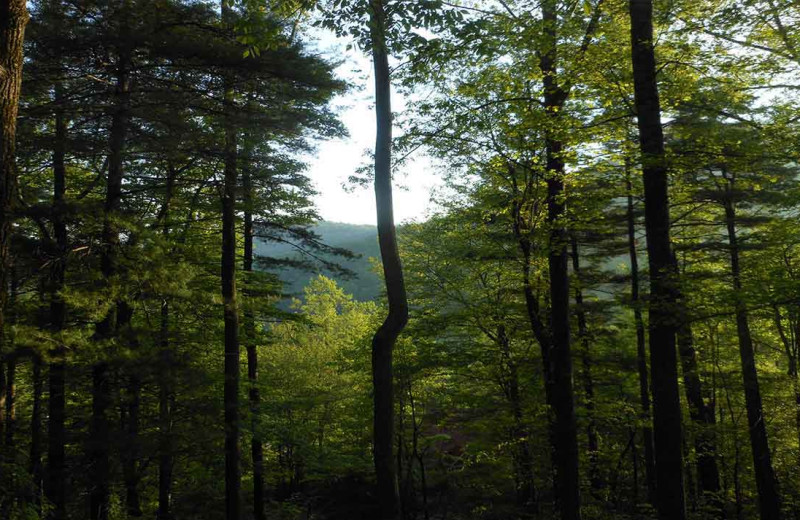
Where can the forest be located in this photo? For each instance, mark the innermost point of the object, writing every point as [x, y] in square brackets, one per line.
[600, 318]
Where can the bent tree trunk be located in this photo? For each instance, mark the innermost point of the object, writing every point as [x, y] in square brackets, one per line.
[766, 482]
[662, 311]
[386, 335]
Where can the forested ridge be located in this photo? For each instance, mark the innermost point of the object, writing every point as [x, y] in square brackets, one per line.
[599, 319]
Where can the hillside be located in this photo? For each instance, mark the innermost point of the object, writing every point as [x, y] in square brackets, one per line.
[360, 239]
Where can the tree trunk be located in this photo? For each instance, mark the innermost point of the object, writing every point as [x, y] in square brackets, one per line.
[641, 351]
[165, 383]
[99, 442]
[231, 311]
[55, 482]
[766, 482]
[36, 433]
[662, 311]
[386, 335]
[256, 445]
[13, 19]
[568, 496]
[593, 444]
[702, 415]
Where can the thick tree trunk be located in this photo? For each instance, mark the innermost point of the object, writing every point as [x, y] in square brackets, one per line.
[231, 310]
[593, 444]
[13, 19]
[568, 496]
[386, 335]
[256, 445]
[641, 351]
[55, 482]
[662, 310]
[766, 482]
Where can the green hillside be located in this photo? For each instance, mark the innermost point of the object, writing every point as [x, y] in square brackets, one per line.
[360, 239]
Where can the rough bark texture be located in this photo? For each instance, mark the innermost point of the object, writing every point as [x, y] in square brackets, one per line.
[565, 438]
[386, 335]
[662, 310]
[766, 482]
[13, 19]
[231, 310]
[641, 353]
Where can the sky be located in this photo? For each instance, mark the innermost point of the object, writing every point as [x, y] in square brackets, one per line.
[338, 159]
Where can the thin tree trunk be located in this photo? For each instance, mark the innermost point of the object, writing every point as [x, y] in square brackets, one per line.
[165, 382]
[36, 433]
[386, 335]
[256, 445]
[641, 351]
[55, 482]
[662, 312]
[99, 441]
[766, 482]
[595, 478]
[568, 496]
[231, 310]
[702, 415]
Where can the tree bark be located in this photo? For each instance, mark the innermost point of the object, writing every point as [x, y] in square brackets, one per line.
[36, 433]
[13, 19]
[385, 337]
[766, 481]
[231, 310]
[662, 311]
[641, 352]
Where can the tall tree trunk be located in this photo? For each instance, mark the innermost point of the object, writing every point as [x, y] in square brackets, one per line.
[568, 496]
[386, 335]
[593, 444]
[13, 19]
[99, 441]
[662, 311]
[641, 350]
[55, 482]
[231, 310]
[165, 382]
[11, 398]
[256, 445]
[766, 482]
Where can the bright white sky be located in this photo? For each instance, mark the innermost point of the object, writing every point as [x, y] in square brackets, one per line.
[338, 159]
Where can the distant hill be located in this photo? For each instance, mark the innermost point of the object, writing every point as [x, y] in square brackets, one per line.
[360, 239]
